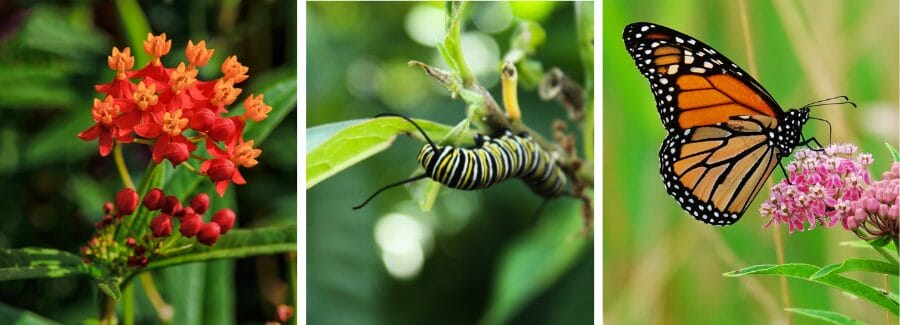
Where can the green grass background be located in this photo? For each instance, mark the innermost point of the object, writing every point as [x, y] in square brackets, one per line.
[662, 267]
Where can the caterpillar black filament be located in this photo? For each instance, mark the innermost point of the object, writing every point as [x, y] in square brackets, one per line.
[491, 161]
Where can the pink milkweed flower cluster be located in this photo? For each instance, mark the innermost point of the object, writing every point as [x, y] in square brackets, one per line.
[820, 188]
[877, 210]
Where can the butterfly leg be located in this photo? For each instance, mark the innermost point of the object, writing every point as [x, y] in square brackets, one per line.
[784, 171]
[806, 142]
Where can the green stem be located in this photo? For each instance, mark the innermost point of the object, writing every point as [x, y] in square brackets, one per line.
[136, 28]
[887, 255]
[163, 310]
[120, 165]
[453, 41]
[107, 310]
[128, 305]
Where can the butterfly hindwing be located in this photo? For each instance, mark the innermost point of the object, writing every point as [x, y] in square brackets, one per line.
[714, 172]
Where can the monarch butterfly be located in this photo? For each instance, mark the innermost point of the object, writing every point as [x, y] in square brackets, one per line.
[726, 133]
[491, 161]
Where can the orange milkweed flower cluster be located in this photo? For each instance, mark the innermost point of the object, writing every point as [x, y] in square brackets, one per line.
[171, 109]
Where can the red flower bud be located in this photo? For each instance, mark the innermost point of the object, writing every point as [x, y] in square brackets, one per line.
[154, 199]
[220, 169]
[99, 225]
[137, 261]
[127, 201]
[183, 212]
[202, 120]
[209, 233]
[200, 203]
[222, 129]
[107, 207]
[176, 152]
[283, 313]
[191, 224]
[107, 220]
[225, 219]
[161, 226]
[130, 242]
[171, 205]
[139, 250]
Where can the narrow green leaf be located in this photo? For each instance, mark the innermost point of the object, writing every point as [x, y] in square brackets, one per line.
[854, 264]
[358, 142]
[536, 261]
[825, 315]
[12, 315]
[28, 263]
[894, 153]
[805, 271]
[136, 27]
[236, 244]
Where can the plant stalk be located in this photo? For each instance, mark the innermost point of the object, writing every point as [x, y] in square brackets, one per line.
[120, 165]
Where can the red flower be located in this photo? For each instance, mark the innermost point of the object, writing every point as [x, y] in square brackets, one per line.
[154, 199]
[109, 125]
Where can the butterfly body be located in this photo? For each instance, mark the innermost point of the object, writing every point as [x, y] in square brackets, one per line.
[726, 133]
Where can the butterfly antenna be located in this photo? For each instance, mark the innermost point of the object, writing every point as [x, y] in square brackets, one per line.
[825, 102]
[414, 178]
[433, 146]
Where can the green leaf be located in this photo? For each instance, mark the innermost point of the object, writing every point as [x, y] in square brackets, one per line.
[58, 142]
[825, 315]
[136, 27]
[805, 271]
[880, 241]
[12, 315]
[854, 264]
[894, 153]
[110, 286]
[536, 261]
[29, 263]
[355, 143]
[317, 135]
[236, 243]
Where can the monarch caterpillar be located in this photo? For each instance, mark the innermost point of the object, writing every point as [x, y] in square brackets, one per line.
[491, 161]
[726, 133]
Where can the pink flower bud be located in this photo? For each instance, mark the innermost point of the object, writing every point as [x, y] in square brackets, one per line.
[225, 219]
[127, 201]
[883, 210]
[171, 205]
[220, 169]
[209, 233]
[222, 129]
[154, 199]
[191, 224]
[871, 205]
[200, 203]
[161, 226]
[202, 120]
[130, 242]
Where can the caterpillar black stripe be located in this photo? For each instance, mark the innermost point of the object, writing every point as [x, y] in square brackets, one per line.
[491, 161]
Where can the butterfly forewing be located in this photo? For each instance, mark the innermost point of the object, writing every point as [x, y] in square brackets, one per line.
[691, 82]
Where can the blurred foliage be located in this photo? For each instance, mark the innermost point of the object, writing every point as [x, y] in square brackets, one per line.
[51, 55]
[661, 266]
[478, 255]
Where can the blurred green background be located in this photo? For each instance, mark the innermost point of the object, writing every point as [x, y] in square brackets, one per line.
[52, 184]
[662, 267]
[389, 262]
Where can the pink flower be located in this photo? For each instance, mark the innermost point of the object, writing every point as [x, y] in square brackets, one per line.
[874, 214]
[820, 188]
